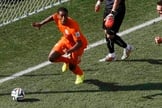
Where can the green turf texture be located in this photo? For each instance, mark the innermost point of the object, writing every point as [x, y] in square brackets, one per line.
[133, 83]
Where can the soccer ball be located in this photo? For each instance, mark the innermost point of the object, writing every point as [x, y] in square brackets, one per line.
[17, 94]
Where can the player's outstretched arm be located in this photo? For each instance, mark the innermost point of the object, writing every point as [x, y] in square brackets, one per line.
[40, 24]
[116, 5]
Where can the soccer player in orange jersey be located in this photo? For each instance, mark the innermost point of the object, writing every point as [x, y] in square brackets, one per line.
[72, 43]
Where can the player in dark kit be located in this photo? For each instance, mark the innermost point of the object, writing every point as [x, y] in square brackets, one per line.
[114, 13]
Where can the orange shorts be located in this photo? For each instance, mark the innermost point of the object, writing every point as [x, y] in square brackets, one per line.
[63, 45]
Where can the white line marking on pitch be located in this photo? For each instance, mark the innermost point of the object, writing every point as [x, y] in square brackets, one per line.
[28, 70]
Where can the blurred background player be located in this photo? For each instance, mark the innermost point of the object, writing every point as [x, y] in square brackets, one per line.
[158, 39]
[72, 43]
[114, 12]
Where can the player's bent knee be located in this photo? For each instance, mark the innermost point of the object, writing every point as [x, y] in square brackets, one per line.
[108, 36]
[72, 66]
[51, 59]
[54, 56]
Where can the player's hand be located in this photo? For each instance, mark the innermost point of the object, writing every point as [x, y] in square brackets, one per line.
[158, 40]
[109, 20]
[37, 25]
[97, 6]
[67, 55]
[109, 16]
[68, 52]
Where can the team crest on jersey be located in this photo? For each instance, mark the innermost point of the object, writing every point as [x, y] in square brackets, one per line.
[77, 34]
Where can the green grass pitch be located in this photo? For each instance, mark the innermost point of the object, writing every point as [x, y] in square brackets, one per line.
[133, 83]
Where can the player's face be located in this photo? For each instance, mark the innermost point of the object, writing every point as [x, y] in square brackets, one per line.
[159, 10]
[63, 17]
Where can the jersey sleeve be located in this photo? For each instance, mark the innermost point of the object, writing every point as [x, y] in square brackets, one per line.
[76, 34]
[55, 18]
[76, 31]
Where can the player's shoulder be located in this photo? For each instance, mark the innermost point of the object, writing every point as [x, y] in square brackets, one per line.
[72, 20]
[55, 16]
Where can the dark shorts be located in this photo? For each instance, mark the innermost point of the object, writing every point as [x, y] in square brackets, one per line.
[117, 22]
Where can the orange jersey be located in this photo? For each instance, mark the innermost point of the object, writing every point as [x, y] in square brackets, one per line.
[70, 31]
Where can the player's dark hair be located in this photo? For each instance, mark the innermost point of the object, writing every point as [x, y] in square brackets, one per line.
[159, 2]
[62, 9]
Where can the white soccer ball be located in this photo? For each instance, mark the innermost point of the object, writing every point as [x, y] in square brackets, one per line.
[17, 94]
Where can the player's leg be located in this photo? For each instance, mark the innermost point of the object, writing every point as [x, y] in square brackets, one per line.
[117, 23]
[56, 56]
[57, 52]
[74, 66]
[118, 40]
[110, 45]
[108, 36]
[78, 72]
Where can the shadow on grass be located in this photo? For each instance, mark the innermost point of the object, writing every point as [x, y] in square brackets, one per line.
[151, 61]
[152, 96]
[33, 75]
[104, 87]
[29, 100]
[28, 75]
